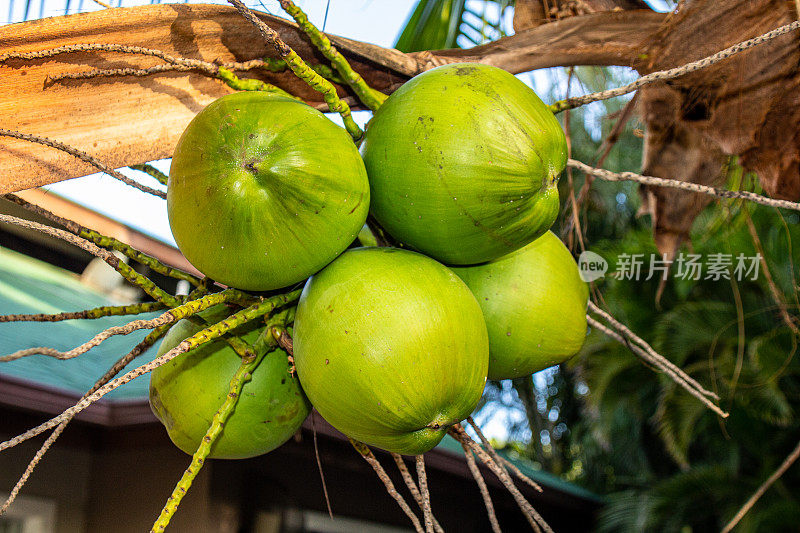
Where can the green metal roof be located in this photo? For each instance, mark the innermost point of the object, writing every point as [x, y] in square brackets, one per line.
[28, 285]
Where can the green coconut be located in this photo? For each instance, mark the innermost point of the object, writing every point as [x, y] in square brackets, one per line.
[264, 191]
[534, 302]
[186, 392]
[463, 162]
[391, 348]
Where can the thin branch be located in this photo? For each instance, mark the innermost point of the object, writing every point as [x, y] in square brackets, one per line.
[220, 72]
[701, 394]
[627, 333]
[272, 65]
[128, 328]
[534, 518]
[106, 242]
[763, 488]
[685, 185]
[773, 288]
[319, 466]
[370, 458]
[243, 349]
[137, 350]
[412, 487]
[517, 472]
[110, 374]
[119, 72]
[109, 47]
[424, 493]
[48, 443]
[500, 459]
[112, 260]
[174, 64]
[573, 221]
[608, 143]
[251, 84]
[61, 234]
[83, 156]
[669, 74]
[302, 70]
[207, 334]
[88, 314]
[170, 317]
[484, 490]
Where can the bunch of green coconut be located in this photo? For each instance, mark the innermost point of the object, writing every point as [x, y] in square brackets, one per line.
[392, 345]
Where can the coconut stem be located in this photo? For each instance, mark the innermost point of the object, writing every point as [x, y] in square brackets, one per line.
[257, 310]
[487, 499]
[88, 314]
[242, 375]
[83, 156]
[251, 357]
[151, 171]
[111, 243]
[137, 350]
[368, 96]
[112, 260]
[501, 461]
[302, 70]
[250, 84]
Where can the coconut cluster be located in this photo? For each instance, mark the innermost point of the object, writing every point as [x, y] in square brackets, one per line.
[392, 345]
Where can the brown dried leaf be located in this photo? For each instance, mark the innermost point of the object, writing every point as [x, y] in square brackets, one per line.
[747, 105]
[673, 150]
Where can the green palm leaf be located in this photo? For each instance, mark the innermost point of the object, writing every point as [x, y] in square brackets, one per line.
[438, 24]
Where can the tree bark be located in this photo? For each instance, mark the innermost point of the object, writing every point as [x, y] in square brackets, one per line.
[532, 13]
